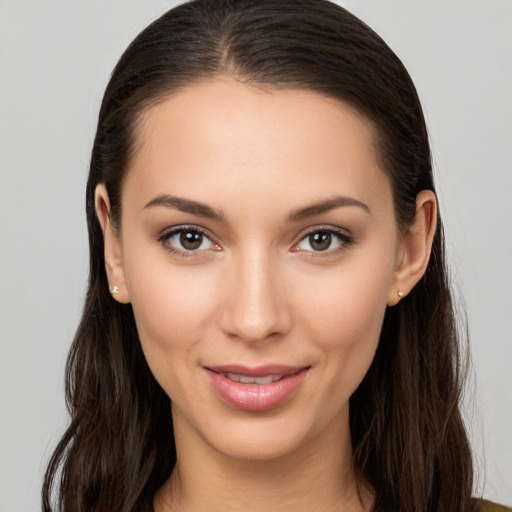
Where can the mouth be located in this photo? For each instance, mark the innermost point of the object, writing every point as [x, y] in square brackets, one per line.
[256, 388]
[245, 379]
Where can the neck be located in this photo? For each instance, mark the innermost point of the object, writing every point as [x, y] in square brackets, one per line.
[319, 477]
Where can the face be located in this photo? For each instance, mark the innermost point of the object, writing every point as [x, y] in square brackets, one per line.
[259, 249]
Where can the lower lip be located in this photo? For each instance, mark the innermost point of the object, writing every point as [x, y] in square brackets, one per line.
[256, 397]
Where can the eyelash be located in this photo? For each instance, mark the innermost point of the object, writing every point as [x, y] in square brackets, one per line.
[344, 239]
[164, 238]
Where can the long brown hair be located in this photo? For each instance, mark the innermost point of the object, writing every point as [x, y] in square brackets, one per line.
[408, 438]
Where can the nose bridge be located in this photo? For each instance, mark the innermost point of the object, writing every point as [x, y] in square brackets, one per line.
[254, 308]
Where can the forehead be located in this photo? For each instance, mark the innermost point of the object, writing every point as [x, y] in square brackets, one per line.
[221, 138]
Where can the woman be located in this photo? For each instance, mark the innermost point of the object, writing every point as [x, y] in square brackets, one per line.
[268, 323]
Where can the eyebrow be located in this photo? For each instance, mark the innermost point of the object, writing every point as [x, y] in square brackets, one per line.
[326, 206]
[203, 210]
[187, 206]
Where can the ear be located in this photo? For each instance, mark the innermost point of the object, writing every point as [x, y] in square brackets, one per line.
[113, 249]
[415, 248]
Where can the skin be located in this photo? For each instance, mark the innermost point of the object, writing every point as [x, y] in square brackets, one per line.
[256, 292]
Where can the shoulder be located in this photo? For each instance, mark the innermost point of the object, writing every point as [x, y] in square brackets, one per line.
[488, 506]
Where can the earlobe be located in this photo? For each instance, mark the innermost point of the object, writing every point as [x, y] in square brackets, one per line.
[112, 247]
[415, 248]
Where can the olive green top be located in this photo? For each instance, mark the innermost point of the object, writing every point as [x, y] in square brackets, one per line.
[487, 506]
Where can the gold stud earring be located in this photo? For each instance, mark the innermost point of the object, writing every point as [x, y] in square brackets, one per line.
[400, 294]
[114, 290]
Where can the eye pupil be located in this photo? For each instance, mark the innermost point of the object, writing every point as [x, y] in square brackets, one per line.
[320, 241]
[191, 239]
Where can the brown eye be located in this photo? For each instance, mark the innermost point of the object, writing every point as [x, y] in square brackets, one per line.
[191, 240]
[320, 241]
[185, 240]
[327, 241]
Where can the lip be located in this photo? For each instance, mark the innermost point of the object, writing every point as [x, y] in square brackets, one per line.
[256, 397]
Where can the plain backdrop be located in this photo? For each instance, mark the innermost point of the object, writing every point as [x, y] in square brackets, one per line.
[55, 59]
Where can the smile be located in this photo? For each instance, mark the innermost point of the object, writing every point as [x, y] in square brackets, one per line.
[256, 389]
[244, 379]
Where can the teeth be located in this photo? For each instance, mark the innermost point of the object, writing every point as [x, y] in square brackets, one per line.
[267, 379]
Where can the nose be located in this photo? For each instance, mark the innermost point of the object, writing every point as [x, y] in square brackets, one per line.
[255, 308]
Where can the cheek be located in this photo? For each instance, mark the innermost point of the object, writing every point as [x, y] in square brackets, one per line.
[344, 315]
[347, 327]
[348, 303]
[173, 307]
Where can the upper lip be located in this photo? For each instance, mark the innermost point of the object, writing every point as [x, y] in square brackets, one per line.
[256, 371]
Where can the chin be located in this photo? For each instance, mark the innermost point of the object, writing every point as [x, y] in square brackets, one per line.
[264, 437]
[265, 446]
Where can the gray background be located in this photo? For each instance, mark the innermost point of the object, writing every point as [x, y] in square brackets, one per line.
[55, 58]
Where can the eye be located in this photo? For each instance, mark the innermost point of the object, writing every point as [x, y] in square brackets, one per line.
[185, 240]
[323, 240]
